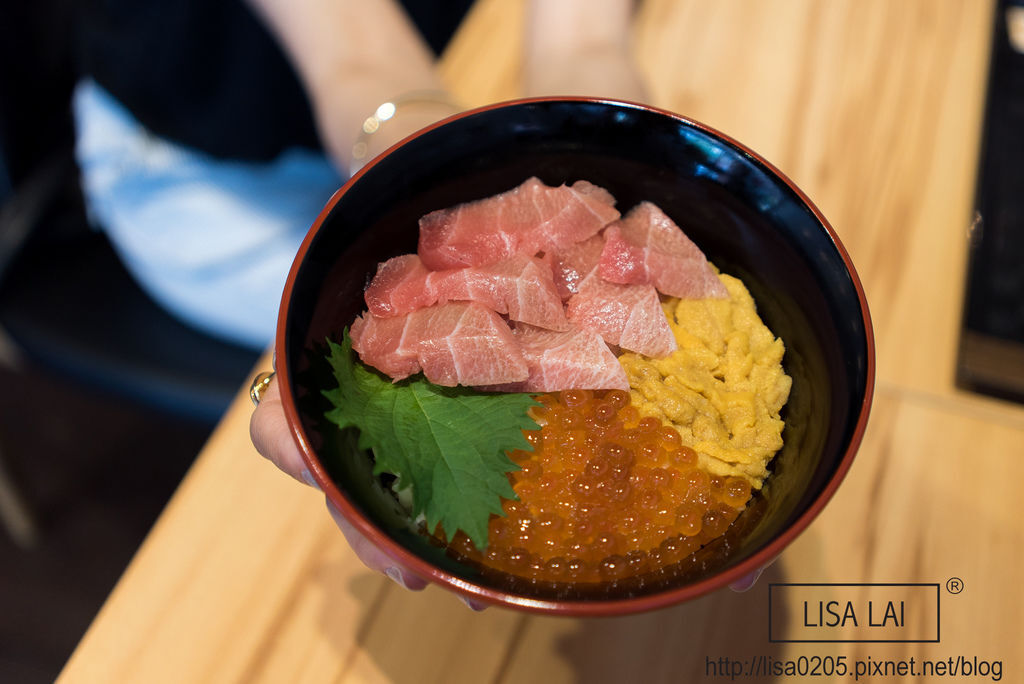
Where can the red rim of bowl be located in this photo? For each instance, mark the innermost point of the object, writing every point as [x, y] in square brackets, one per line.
[582, 607]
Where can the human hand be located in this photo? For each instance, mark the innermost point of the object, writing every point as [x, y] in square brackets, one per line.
[268, 428]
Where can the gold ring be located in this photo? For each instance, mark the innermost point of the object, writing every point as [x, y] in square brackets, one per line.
[259, 386]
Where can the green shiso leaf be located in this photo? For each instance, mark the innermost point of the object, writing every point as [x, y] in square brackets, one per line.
[447, 443]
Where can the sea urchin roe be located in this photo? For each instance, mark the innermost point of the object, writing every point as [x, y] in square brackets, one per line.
[604, 495]
[723, 388]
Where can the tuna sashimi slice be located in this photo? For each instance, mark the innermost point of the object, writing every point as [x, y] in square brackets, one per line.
[585, 187]
[399, 287]
[464, 343]
[520, 286]
[571, 265]
[460, 343]
[647, 247]
[629, 316]
[377, 341]
[569, 359]
[528, 219]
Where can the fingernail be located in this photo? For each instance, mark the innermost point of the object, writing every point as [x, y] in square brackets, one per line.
[307, 477]
[474, 606]
[746, 582]
[396, 576]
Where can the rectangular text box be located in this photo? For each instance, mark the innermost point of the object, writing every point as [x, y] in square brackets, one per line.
[878, 613]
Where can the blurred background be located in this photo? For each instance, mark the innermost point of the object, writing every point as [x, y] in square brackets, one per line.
[112, 376]
[106, 398]
[991, 356]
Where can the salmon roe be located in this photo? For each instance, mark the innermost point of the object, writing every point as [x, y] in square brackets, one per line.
[604, 495]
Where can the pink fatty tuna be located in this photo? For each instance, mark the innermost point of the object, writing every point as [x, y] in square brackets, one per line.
[647, 247]
[568, 359]
[628, 316]
[596, 191]
[572, 264]
[399, 287]
[460, 343]
[377, 341]
[520, 286]
[531, 290]
[528, 219]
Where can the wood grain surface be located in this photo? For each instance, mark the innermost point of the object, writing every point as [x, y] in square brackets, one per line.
[873, 107]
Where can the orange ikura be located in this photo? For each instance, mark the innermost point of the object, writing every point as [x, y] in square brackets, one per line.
[604, 495]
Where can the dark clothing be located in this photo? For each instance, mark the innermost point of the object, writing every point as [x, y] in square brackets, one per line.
[209, 74]
[204, 73]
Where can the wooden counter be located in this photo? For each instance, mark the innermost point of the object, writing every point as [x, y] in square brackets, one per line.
[873, 107]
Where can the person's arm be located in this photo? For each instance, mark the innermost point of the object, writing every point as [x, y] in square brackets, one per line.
[581, 47]
[353, 55]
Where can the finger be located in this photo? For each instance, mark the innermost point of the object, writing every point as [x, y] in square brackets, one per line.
[268, 428]
[473, 604]
[749, 580]
[746, 582]
[372, 557]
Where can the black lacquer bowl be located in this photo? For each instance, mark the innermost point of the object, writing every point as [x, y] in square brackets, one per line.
[749, 219]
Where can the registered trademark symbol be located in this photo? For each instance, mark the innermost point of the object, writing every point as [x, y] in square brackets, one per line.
[954, 585]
